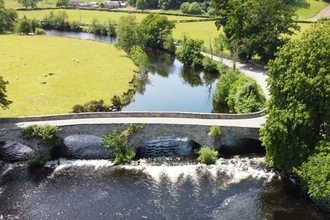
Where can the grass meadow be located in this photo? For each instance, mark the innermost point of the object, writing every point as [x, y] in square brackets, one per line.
[50, 82]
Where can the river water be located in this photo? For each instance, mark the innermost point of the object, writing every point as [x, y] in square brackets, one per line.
[164, 182]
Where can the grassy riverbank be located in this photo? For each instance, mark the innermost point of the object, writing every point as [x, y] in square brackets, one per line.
[50, 82]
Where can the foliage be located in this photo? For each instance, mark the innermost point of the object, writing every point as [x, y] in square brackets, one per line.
[315, 172]
[220, 43]
[28, 3]
[62, 3]
[117, 145]
[115, 100]
[226, 82]
[4, 102]
[127, 33]
[195, 9]
[185, 7]
[96, 27]
[37, 159]
[190, 51]
[23, 26]
[91, 106]
[215, 130]
[259, 25]
[132, 129]
[58, 21]
[34, 24]
[139, 57]
[209, 65]
[207, 155]
[39, 31]
[246, 96]
[141, 4]
[75, 26]
[298, 108]
[155, 31]
[8, 18]
[45, 133]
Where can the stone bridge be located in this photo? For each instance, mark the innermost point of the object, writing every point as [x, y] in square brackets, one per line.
[194, 126]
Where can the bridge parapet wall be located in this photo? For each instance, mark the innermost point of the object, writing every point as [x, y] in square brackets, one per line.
[132, 115]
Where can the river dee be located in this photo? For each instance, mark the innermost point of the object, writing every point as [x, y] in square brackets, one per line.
[236, 188]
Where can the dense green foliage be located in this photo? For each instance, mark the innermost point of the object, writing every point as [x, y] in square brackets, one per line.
[127, 34]
[23, 26]
[8, 18]
[4, 102]
[210, 65]
[57, 21]
[132, 129]
[226, 82]
[259, 25]
[241, 93]
[91, 106]
[190, 52]
[194, 8]
[246, 96]
[106, 28]
[45, 133]
[299, 107]
[155, 31]
[207, 155]
[215, 130]
[37, 159]
[28, 3]
[139, 57]
[117, 145]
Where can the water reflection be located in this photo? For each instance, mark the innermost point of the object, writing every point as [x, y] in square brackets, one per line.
[170, 86]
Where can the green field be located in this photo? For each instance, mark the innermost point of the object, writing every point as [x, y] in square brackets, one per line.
[50, 82]
[315, 7]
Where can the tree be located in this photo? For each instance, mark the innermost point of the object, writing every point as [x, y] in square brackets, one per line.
[195, 9]
[23, 26]
[127, 33]
[62, 3]
[139, 57]
[259, 25]
[4, 102]
[190, 52]
[34, 24]
[8, 18]
[223, 86]
[141, 4]
[27, 3]
[299, 105]
[156, 31]
[185, 7]
[220, 43]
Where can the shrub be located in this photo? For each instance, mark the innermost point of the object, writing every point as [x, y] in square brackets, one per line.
[207, 155]
[45, 133]
[209, 64]
[132, 129]
[115, 100]
[224, 85]
[185, 7]
[37, 159]
[39, 31]
[91, 106]
[117, 145]
[215, 130]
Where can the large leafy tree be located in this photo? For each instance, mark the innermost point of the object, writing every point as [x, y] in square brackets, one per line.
[4, 102]
[299, 106]
[259, 25]
[8, 18]
[28, 3]
[127, 33]
[156, 31]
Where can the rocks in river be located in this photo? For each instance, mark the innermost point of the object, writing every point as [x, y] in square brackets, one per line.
[13, 151]
[82, 147]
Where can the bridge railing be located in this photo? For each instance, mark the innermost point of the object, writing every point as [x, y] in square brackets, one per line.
[140, 114]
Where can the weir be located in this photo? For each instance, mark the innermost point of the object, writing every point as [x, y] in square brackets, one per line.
[194, 126]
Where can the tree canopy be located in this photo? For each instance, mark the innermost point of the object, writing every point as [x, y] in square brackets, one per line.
[299, 105]
[7, 18]
[28, 3]
[4, 102]
[259, 25]
[127, 33]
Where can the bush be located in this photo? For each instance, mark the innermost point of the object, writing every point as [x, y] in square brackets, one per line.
[37, 159]
[132, 129]
[210, 65]
[215, 130]
[207, 155]
[115, 100]
[91, 106]
[39, 31]
[46, 133]
[185, 7]
[224, 85]
[117, 145]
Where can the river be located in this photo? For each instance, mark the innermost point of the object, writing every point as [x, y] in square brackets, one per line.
[164, 182]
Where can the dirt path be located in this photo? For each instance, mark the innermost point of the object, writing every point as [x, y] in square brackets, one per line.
[325, 12]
